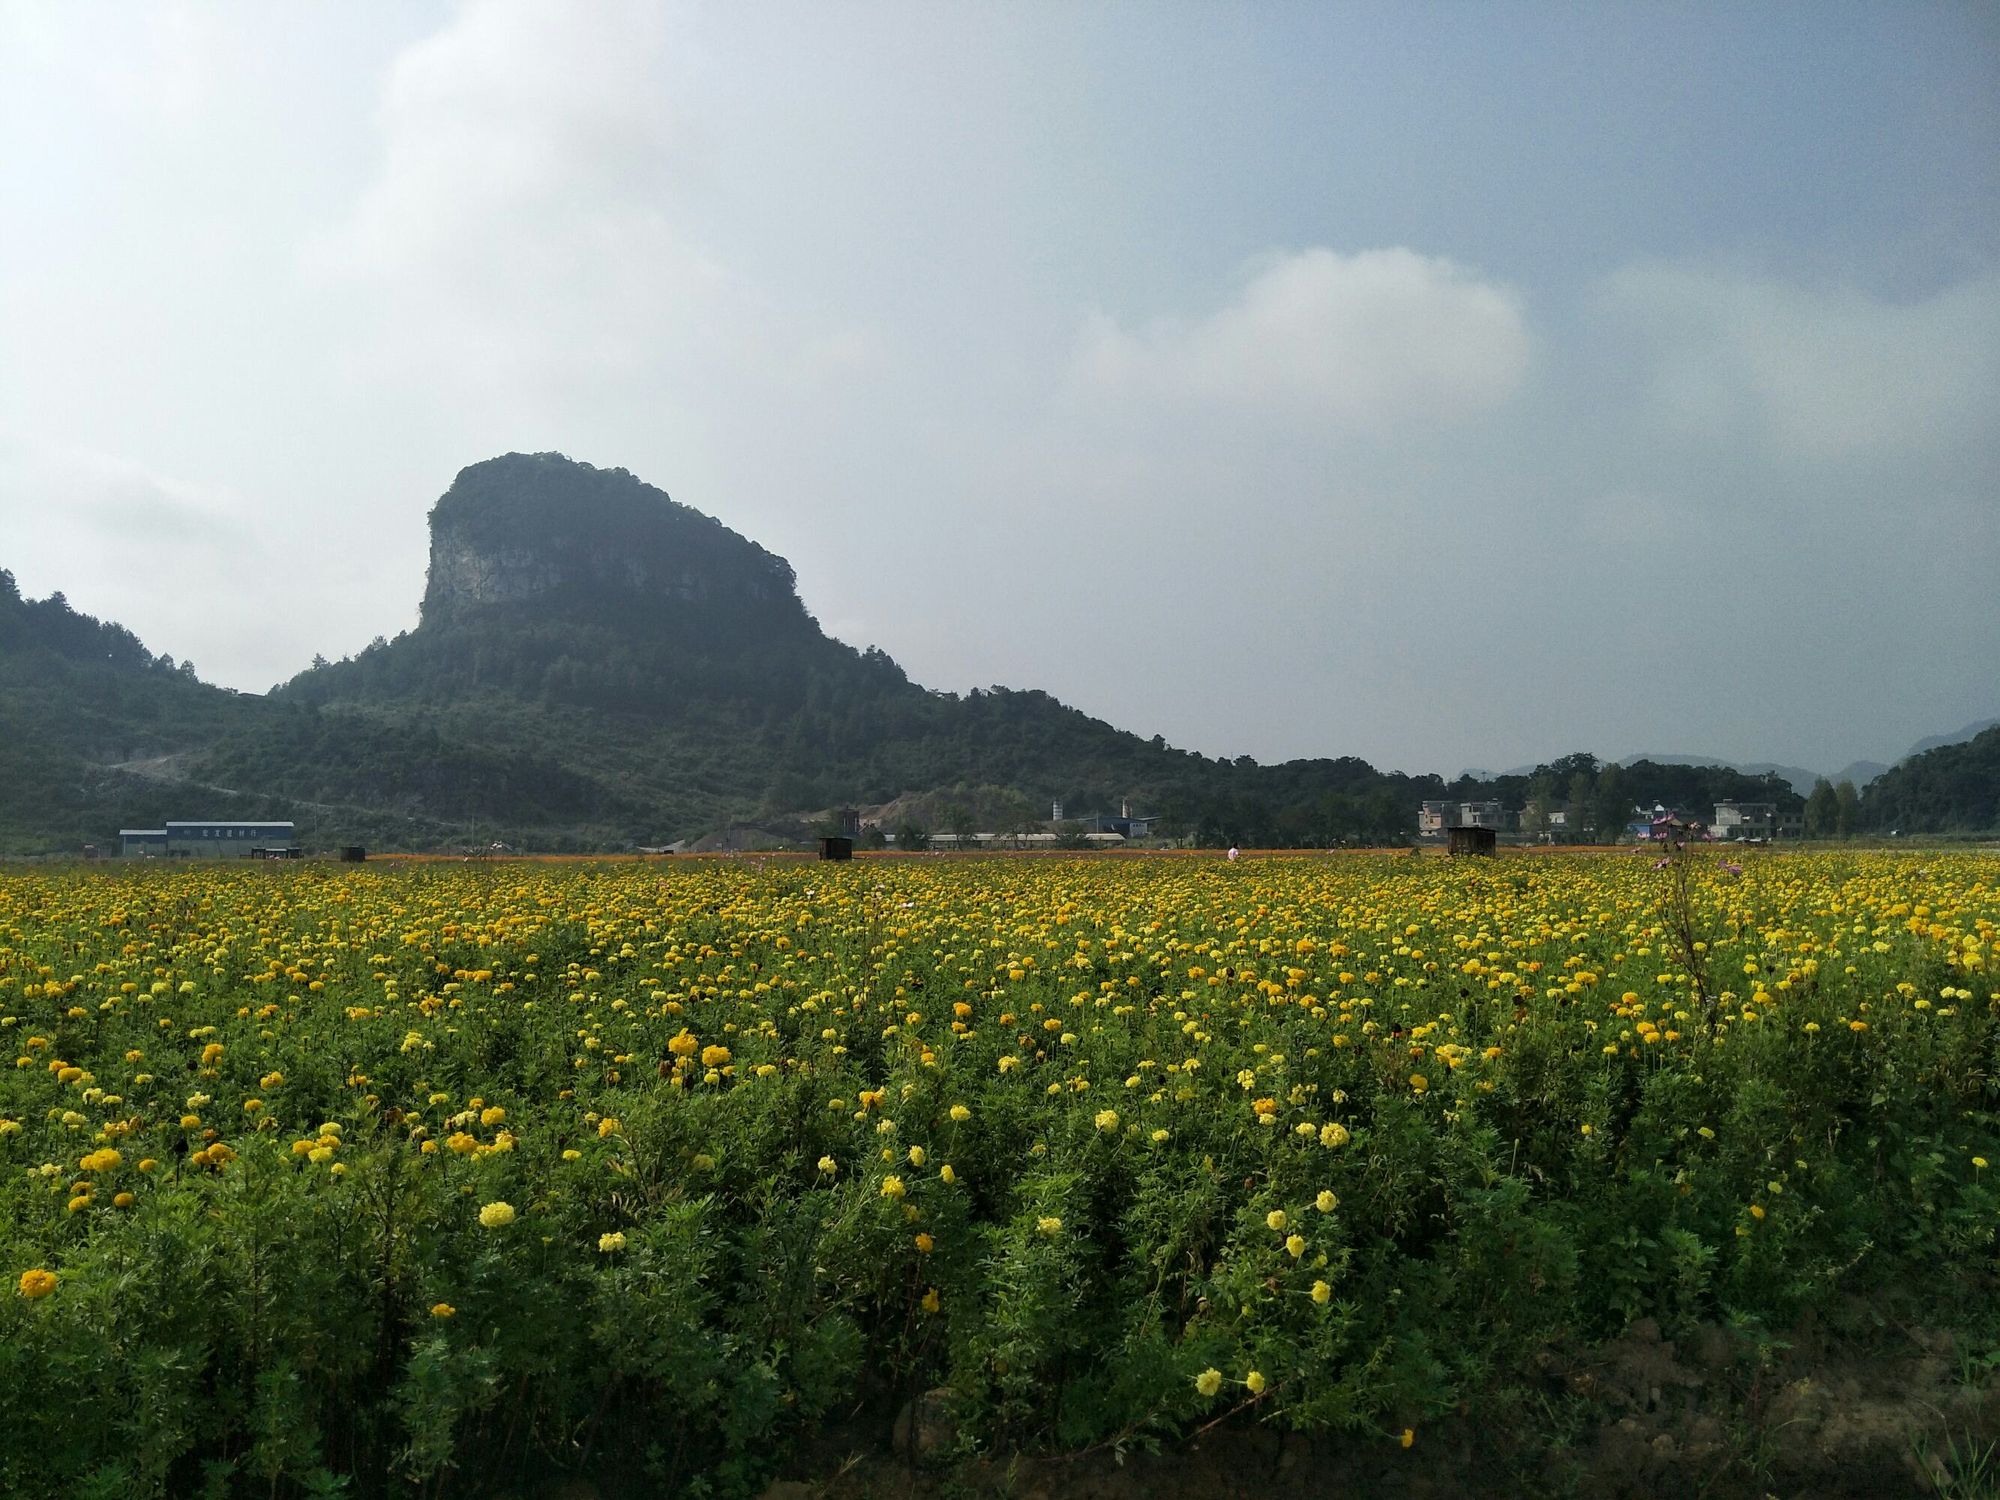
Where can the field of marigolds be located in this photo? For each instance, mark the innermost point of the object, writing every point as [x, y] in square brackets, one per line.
[402, 1180]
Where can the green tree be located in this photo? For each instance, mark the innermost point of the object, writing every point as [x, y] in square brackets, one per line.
[1610, 805]
[1541, 799]
[1582, 818]
[1847, 809]
[911, 835]
[1822, 810]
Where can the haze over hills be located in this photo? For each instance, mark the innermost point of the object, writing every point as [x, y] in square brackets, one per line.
[598, 666]
[1801, 780]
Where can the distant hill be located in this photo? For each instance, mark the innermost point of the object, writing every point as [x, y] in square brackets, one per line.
[1954, 787]
[1801, 780]
[597, 666]
[1797, 777]
[1957, 737]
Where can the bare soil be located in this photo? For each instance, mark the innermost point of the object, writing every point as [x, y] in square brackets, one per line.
[1710, 1417]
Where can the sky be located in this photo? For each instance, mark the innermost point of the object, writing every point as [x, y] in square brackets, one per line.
[1445, 385]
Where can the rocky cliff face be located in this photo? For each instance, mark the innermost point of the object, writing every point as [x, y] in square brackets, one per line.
[542, 526]
[467, 571]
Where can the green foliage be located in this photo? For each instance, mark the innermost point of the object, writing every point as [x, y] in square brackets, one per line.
[1950, 789]
[1060, 1202]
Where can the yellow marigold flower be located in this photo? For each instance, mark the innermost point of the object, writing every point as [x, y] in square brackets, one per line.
[1409, 1436]
[714, 1057]
[608, 1127]
[960, 1113]
[1418, 1083]
[1979, 1163]
[37, 1283]
[1333, 1135]
[79, 1203]
[1276, 1220]
[946, 1175]
[496, 1215]
[102, 1161]
[916, 1156]
[572, 1154]
[1326, 1202]
[147, 1164]
[1159, 1136]
[828, 1165]
[125, 1200]
[492, 1116]
[1049, 1224]
[612, 1243]
[925, 1244]
[1295, 1245]
[190, 1122]
[684, 1045]
[1322, 1293]
[443, 1310]
[931, 1301]
[1209, 1381]
[892, 1187]
[1255, 1381]
[1107, 1119]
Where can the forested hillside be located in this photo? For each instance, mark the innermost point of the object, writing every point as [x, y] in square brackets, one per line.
[1954, 788]
[598, 666]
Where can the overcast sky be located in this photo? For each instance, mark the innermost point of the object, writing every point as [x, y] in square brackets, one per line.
[1437, 384]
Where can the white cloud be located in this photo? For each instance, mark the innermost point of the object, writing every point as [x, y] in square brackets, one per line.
[1369, 342]
[528, 240]
[1819, 373]
[515, 104]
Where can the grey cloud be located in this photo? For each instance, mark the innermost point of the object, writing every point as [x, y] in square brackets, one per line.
[1823, 374]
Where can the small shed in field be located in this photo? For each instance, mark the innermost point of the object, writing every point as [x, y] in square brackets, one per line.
[836, 846]
[1470, 839]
